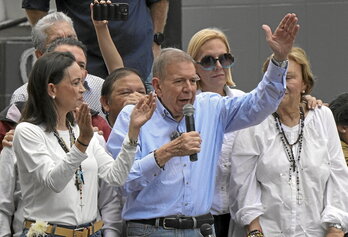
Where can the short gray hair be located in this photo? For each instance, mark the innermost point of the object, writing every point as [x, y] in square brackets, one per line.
[38, 33]
[166, 57]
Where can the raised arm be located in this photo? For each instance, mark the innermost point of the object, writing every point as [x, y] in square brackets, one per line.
[111, 56]
[34, 15]
[121, 166]
[35, 9]
[159, 11]
[255, 106]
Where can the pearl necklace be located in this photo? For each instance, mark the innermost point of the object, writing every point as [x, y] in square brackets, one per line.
[294, 163]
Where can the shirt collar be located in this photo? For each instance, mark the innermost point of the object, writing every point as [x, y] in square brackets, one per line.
[227, 90]
[162, 109]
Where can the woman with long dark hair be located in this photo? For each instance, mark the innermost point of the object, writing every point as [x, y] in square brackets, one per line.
[59, 159]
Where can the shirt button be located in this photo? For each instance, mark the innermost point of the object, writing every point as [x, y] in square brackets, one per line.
[184, 165]
[186, 204]
[186, 182]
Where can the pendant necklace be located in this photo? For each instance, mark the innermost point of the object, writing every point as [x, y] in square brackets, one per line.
[79, 180]
[294, 162]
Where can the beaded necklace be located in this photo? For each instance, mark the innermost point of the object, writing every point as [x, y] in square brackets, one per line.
[294, 163]
[79, 180]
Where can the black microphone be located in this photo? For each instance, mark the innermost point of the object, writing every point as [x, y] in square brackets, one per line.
[206, 230]
[188, 111]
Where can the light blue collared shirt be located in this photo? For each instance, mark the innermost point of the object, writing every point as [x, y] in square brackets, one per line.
[184, 187]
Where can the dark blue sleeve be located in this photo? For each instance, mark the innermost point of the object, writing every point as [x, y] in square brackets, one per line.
[42, 5]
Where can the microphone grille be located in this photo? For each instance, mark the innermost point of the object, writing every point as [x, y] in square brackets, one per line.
[206, 229]
[188, 110]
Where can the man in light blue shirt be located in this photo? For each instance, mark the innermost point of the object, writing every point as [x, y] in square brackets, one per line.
[167, 195]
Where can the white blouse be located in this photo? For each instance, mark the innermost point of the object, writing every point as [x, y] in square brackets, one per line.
[221, 199]
[260, 178]
[47, 174]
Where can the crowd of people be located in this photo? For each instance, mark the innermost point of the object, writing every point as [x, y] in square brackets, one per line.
[109, 155]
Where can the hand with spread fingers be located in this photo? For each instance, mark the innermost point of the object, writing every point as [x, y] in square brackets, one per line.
[282, 39]
[143, 111]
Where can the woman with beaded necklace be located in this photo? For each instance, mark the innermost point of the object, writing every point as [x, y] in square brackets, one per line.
[59, 162]
[289, 172]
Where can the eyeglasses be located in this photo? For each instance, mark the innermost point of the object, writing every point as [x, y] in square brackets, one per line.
[208, 63]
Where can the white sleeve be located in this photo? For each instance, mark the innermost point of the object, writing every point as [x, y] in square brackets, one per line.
[336, 195]
[116, 171]
[245, 190]
[7, 188]
[30, 147]
[110, 208]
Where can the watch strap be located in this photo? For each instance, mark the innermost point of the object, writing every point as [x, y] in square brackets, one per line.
[158, 38]
[282, 64]
[336, 225]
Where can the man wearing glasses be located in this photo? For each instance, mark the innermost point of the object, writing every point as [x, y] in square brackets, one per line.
[167, 195]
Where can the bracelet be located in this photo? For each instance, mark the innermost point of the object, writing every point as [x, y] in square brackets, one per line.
[81, 143]
[282, 64]
[255, 233]
[154, 156]
[336, 226]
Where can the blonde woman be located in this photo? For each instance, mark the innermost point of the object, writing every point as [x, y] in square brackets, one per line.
[211, 51]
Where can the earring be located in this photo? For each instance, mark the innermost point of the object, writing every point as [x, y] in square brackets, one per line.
[53, 97]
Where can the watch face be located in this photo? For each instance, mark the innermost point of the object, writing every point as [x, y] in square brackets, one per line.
[158, 38]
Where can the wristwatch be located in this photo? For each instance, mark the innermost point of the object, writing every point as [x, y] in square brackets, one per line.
[158, 38]
[282, 64]
[336, 225]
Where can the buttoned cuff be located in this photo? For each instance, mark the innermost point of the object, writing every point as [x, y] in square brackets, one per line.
[149, 167]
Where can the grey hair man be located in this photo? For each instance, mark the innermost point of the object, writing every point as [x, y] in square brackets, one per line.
[48, 29]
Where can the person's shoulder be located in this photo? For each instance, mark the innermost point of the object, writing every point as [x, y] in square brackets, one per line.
[127, 109]
[94, 79]
[323, 111]
[232, 92]
[23, 125]
[21, 89]
[28, 127]
[320, 117]
[207, 95]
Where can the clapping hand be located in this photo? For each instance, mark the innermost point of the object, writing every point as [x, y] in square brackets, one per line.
[84, 121]
[282, 39]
